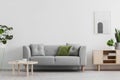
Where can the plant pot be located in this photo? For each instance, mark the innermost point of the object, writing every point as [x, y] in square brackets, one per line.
[117, 46]
[111, 47]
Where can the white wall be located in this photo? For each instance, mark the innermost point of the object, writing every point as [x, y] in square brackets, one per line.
[55, 22]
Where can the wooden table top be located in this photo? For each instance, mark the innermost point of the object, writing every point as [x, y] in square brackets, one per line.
[22, 62]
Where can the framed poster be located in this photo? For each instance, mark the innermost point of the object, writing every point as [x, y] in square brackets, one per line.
[102, 22]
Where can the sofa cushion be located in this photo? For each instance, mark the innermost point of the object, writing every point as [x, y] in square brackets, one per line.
[67, 60]
[74, 50]
[63, 51]
[37, 49]
[51, 50]
[44, 60]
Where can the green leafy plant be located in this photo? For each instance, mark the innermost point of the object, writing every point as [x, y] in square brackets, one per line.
[117, 35]
[110, 42]
[5, 34]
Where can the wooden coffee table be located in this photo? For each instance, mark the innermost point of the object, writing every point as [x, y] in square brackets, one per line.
[25, 63]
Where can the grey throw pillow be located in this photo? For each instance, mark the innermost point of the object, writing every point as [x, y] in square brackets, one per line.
[37, 49]
[74, 50]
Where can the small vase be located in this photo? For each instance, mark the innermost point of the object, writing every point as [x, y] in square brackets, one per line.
[111, 47]
[117, 46]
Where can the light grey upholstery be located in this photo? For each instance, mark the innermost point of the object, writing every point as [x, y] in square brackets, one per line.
[44, 60]
[26, 52]
[67, 60]
[51, 50]
[74, 50]
[83, 56]
[37, 50]
[50, 58]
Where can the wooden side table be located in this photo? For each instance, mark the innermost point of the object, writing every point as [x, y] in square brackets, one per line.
[25, 63]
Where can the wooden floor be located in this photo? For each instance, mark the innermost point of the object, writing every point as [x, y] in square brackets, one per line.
[63, 75]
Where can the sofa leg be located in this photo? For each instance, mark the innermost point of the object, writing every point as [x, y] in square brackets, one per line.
[83, 68]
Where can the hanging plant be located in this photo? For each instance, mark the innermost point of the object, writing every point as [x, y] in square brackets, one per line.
[5, 34]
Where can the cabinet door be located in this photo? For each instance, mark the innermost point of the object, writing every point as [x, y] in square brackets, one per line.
[117, 56]
[98, 57]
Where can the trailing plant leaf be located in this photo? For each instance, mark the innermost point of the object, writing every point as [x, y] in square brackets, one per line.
[4, 41]
[9, 37]
[10, 28]
[1, 31]
[3, 26]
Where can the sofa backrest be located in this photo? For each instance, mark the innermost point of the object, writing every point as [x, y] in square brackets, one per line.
[51, 50]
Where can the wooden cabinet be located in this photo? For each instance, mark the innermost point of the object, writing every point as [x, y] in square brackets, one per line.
[97, 58]
[118, 57]
[106, 57]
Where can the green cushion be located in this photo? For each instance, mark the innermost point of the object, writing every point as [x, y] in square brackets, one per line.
[63, 51]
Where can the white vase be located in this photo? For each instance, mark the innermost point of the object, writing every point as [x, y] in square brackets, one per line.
[117, 46]
[111, 47]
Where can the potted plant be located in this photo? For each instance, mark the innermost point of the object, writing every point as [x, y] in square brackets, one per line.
[110, 43]
[117, 37]
[5, 34]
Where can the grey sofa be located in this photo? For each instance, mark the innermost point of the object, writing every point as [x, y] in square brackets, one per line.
[50, 60]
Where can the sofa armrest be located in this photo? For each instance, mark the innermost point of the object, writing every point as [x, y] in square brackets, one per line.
[83, 56]
[26, 52]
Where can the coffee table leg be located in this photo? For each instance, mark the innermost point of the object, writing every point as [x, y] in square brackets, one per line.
[13, 69]
[18, 68]
[27, 70]
[25, 67]
[32, 69]
[98, 67]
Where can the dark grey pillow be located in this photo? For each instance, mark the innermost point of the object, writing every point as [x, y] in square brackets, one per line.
[37, 49]
[74, 50]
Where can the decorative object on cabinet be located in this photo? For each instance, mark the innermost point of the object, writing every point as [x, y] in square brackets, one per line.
[110, 43]
[117, 37]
